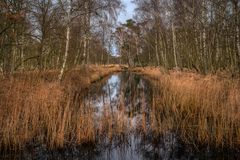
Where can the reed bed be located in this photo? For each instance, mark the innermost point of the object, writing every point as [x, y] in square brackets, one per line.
[36, 109]
[203, 110]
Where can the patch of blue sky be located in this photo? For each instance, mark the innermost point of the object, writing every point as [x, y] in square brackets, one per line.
[128, 12]
[125, 14]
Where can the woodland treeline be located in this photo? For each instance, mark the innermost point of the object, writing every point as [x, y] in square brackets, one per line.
[194, 34]
[52, 34]
[56, 34]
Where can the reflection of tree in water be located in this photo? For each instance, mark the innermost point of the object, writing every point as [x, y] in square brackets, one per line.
[121, 91]
[166, 146]
[131, 97]
[130, 94]
[137, 94]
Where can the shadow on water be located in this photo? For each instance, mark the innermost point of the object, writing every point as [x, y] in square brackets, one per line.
[129, 99]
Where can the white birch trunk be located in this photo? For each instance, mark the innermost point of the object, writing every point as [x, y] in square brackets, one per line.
[84, 49]
[22, 58]
[67, 44]
[204, 56]
[237, 33]
[174, 45]
[156, 50]
[238, 41]
[13, 58]
[217, 50]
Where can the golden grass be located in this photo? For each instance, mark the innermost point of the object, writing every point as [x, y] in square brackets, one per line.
[204, 110]
[36, 108]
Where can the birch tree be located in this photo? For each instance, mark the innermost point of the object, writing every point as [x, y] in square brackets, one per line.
[201, 35]
[69, 11]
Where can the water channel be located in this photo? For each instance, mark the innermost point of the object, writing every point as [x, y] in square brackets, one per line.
[129, 97]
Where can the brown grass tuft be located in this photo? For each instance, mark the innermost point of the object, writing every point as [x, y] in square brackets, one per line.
[204, 110]
[35, 108]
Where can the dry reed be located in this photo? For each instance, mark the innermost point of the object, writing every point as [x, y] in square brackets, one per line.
[35, 108]
[203, 110]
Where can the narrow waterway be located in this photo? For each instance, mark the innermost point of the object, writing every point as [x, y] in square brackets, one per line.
[129, 97]
[124, 101]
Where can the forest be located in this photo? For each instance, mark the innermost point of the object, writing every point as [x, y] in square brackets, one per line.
[46, 34]
[76, 81]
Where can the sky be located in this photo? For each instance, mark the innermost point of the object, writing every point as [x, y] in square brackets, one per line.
[125, 14]
[128, 11]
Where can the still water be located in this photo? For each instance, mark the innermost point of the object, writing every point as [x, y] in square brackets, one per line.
[128, 98]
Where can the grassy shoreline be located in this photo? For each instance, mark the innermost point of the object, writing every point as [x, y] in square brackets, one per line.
[204, 110]
[36, 108]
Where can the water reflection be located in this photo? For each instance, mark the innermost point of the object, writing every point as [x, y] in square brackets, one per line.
[126, 95]
[128, 99]
[130, 96]
[121, 91]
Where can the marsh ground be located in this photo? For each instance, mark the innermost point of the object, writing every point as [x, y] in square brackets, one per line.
[101, 112]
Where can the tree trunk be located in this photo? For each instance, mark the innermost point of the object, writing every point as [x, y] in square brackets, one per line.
[84, 49]
[204, 37]
[174, 46]
[238, 45]
[130, 61]
[22, 57]
[237, 40]
[161, 50]
[156, 49]
[66, 54]
[14, 49]
[76, 61]
[204, 50]
[88, 49]
[67, 45]
[137, 52]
